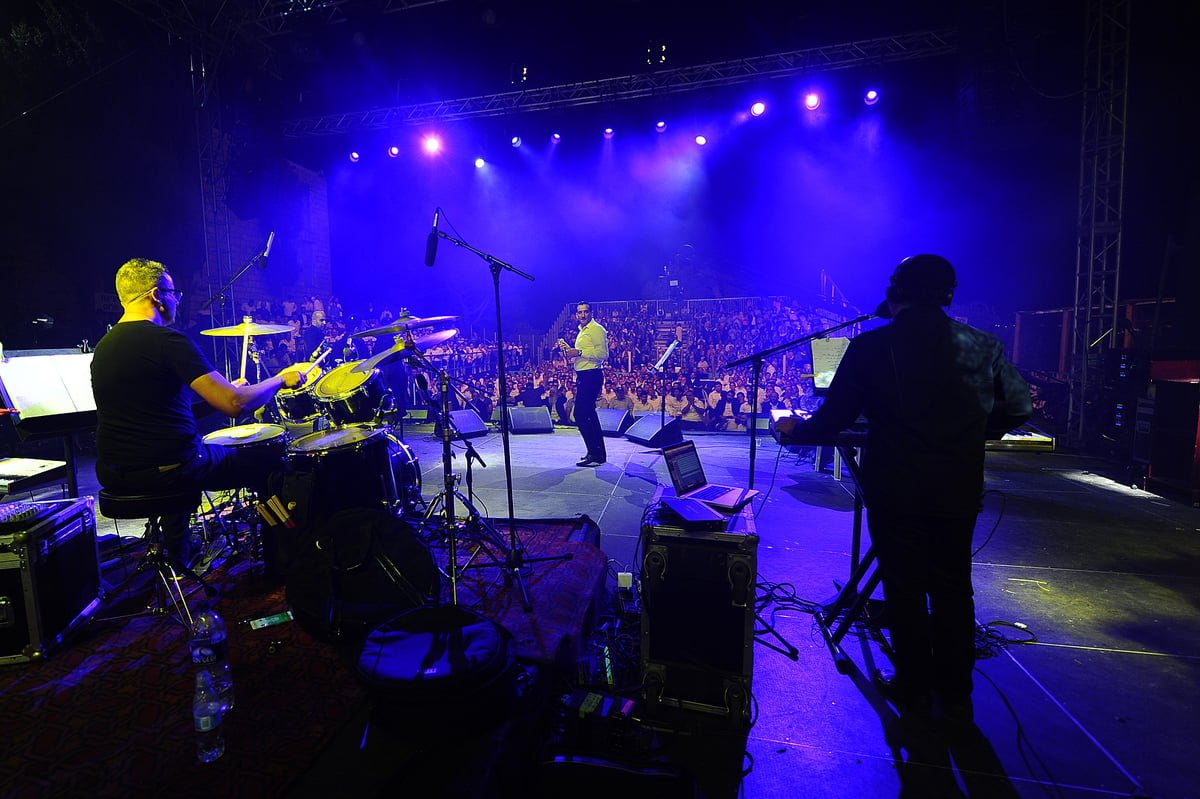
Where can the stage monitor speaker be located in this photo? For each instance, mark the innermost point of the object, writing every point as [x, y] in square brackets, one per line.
[649, 431]
[530, 420]
[614, 421]
[468, 424]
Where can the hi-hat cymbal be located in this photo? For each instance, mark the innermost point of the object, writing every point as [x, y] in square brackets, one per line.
[252, 328]
[403, 349]
[405, 323]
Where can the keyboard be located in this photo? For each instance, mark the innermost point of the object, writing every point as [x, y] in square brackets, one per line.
[712, 492]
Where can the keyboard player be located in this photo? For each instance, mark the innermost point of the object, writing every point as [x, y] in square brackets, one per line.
[933, 390]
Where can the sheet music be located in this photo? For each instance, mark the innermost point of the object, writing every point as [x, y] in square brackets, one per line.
[826, 355]
[48, 385]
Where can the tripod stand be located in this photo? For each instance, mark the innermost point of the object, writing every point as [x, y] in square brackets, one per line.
[515, 559]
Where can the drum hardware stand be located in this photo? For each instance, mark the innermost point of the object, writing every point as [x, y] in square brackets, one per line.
[515, 559]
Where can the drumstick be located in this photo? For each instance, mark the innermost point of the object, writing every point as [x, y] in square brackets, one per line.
[313, 365]
[245, 350]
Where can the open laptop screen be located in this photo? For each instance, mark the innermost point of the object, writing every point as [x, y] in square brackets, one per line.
[683, 464]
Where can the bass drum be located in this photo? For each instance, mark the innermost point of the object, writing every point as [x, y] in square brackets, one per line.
[358, 467]
[348, 397]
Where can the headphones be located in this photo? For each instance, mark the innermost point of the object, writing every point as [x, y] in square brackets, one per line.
[922, 280]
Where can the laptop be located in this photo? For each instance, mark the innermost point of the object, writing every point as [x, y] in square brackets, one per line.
[687, 475]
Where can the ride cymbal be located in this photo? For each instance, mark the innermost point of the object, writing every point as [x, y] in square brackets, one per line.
[405, 323]
[252, 328]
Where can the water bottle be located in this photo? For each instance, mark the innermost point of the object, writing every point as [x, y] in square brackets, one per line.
[206, 719]
[210, 651]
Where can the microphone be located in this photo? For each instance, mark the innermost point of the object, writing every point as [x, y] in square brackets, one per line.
[267, 250]
[432, 240]
[884, 310]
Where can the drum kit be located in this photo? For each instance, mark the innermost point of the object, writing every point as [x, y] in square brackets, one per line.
[353, 452]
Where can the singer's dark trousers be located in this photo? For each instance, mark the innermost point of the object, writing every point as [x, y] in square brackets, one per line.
[587, 391]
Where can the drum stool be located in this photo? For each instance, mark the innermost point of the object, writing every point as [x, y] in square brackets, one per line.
[152, 507]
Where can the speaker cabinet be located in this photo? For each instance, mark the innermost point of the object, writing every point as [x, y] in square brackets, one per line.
[614, 421]
[468, 424]
[49, 579]
[697, 647]
[530, 420]
[649, 431]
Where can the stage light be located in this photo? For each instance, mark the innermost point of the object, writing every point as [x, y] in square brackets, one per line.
[758, 109]
[393, 151]
[702, 140]
[871, 97]
[608, 133]
[555, 137]
[660, 126]
[812, 101]
[354, 156]
[432, 144]
[516, 141]
[480, 163]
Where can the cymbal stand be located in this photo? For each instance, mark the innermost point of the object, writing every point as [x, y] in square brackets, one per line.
[515, 559]
[449, 493]
[224, 293]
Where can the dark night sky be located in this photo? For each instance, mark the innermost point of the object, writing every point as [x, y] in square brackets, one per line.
[100, 163]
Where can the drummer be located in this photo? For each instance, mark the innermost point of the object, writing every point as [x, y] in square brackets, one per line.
[143, 376]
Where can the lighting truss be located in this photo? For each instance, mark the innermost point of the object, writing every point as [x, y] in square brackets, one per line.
[884, 50]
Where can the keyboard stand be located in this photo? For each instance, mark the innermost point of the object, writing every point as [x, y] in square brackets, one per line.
[836, 617]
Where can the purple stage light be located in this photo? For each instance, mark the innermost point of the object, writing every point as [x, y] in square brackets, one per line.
[758, 109]
[812, 101]
[871, 97]
[432, 144]
[393, 151]
[608, 133]
[480, 163]
[660, 126]
[354, 156]
[516, 141]
[556, 137]
[702, 140]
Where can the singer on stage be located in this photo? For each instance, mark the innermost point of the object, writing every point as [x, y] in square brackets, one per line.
[143, 378]
[933, 391]
[588, 356]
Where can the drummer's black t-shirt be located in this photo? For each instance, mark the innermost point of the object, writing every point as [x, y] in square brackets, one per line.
[141, 373]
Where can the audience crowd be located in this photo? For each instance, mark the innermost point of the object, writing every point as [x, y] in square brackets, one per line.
[692, 384]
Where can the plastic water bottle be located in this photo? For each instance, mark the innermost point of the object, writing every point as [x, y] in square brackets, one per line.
[206, 719]
[210, 651]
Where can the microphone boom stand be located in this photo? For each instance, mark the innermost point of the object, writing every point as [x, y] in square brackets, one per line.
[756, 361]
[514, 559]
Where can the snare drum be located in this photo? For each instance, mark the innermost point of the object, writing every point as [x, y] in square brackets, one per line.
[270, 437]
[296, 405]
[348, 397]
[359, 466]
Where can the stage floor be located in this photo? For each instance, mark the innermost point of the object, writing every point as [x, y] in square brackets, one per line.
[1093, 583]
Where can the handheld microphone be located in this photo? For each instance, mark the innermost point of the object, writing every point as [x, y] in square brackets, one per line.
[432, 241]
[267, 250]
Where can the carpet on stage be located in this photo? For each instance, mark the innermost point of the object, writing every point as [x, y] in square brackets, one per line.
[108, 713]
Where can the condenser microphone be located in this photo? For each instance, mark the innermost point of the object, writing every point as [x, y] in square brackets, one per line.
[262, 264]
[432, 240]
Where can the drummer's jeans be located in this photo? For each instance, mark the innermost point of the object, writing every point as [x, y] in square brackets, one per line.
[211, 467]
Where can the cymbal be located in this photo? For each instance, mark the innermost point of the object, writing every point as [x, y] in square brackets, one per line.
[253, 329]
[404, 349]
[405, 323]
